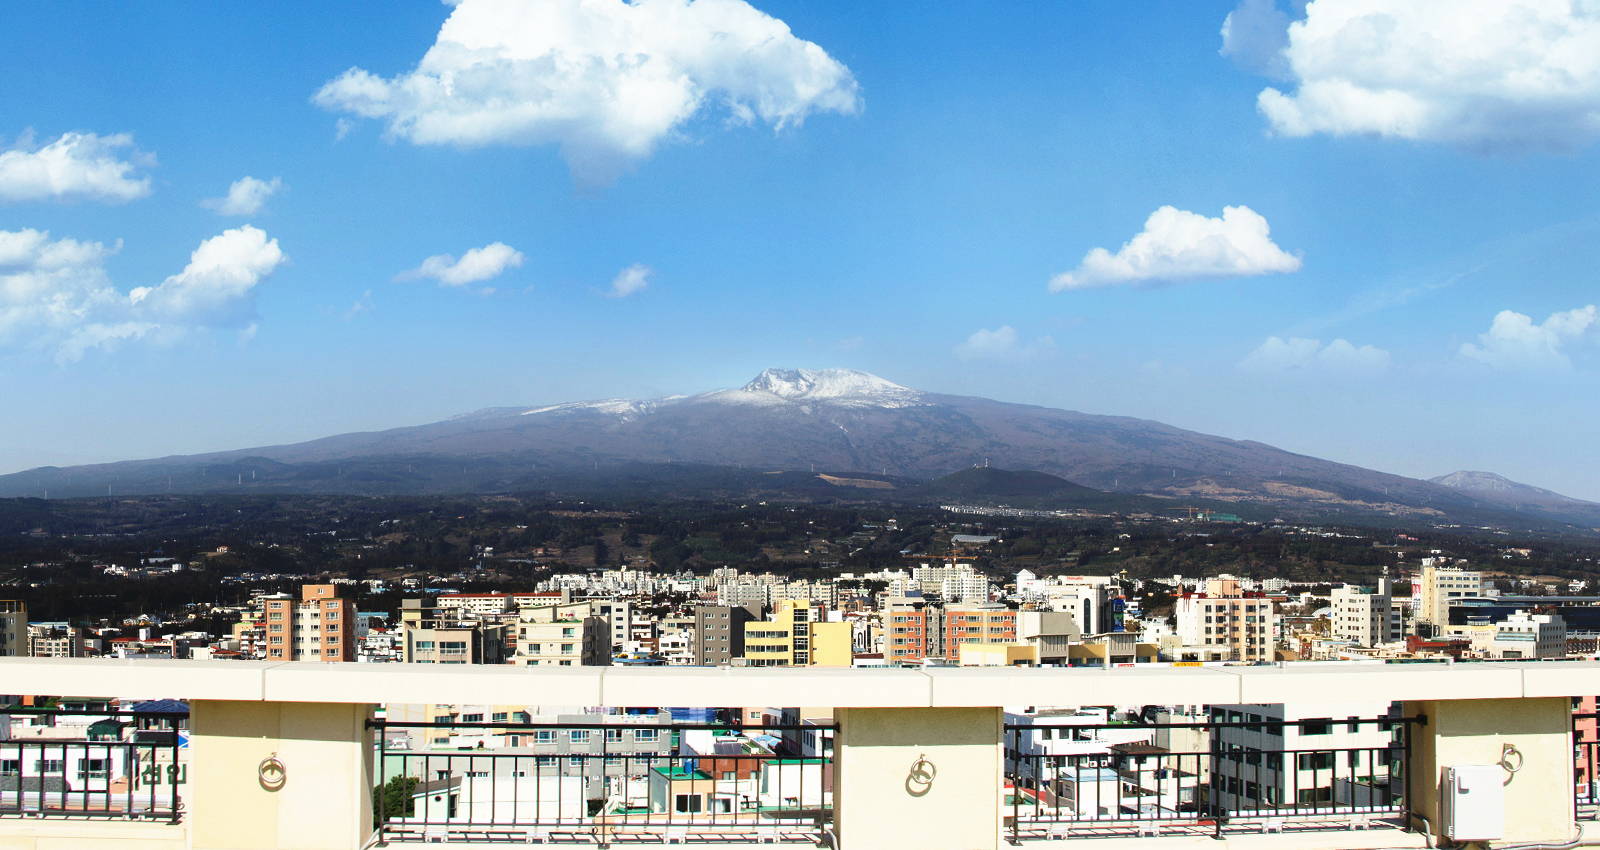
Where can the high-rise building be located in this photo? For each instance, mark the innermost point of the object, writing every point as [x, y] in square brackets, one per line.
[319, 626]
[719, 632]
[1440, 585]
[1226, 619]
[13, 627]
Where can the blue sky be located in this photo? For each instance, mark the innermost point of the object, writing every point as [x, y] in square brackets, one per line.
[887, 186]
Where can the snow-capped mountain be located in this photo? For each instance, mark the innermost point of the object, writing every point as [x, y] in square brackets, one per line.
[834, 420]
[826, 386]
[1499, 488]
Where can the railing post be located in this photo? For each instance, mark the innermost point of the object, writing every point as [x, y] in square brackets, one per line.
[1538, 795]
[324, 798]
[902, 772]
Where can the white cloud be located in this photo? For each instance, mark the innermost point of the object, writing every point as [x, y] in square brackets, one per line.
[55, 294]
[1177, 245]
[1489, 75]
[1003, 344]
[77, 166]
[606, 80]
[629, 281]
[478, 264]
[245, 196]
[1254, 36]
[1515, 342]
[1310, 358]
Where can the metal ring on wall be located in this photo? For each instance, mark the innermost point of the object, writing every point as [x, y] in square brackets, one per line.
[272, 772]
[923, 772]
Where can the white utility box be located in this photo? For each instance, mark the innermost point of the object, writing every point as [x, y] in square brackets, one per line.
[1473, 802]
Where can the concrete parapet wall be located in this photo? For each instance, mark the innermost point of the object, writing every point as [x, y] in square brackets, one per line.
[330, 682]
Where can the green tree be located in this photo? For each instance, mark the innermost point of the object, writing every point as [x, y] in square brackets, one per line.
[393, 799]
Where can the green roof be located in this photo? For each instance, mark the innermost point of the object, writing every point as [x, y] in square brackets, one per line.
[678, 772]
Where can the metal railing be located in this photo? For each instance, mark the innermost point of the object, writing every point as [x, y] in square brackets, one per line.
[1074, 779]
[601, 782]
[133, 779]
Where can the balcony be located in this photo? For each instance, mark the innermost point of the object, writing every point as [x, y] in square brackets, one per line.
[290, 755]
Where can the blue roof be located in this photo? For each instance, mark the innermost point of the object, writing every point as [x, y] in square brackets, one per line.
[160, 706]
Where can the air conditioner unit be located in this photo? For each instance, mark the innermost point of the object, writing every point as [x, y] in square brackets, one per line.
[1473, 802]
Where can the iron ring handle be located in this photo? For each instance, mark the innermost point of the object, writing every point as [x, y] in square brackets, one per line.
[272, 772]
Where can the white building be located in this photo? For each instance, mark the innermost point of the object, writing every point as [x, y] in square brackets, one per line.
[1325, 756]
[930, 579]
[1524, 635]
[965, 588]
[472, 606]
[1363, 614]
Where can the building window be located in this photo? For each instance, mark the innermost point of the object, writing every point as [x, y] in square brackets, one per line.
[471, 718]
[1315, 761]
[579, 736]
[500, 717]
[544, 736]
[613, 736]
[686, 804]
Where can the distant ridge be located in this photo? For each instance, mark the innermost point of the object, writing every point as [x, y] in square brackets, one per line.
[851, 424]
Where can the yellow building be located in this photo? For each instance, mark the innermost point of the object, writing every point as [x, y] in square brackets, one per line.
[797, 636]
[999, 655]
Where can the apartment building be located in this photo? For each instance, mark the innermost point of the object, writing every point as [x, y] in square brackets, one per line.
[466, 606]
[913, 630]
[798, 635]
[54, 640]
[319, 626]
[930, 578]
[567, 635]
[1439, 586]
[460, 642]
[1363, 614]
[1326, 756]
[966, 588]
[718, 632]
[13, 627]
[984, 622]
[1226, 619]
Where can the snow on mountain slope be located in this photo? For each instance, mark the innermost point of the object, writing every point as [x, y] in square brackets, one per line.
[844, 387]
[1500, 488]
[772, 388]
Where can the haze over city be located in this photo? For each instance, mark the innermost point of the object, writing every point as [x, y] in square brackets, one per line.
[290, 226]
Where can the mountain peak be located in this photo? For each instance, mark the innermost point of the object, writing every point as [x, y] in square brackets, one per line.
[1499, 488]
[830, 385]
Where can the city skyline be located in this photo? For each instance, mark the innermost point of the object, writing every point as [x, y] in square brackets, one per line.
[287, 227]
